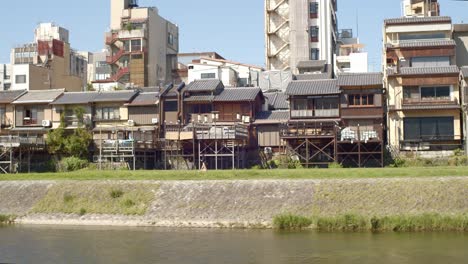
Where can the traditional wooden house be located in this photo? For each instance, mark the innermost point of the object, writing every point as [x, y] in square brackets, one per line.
[216, 126]
[464, 100]
[71, 107]
[7, 109]
[360, 139]
[310, 133]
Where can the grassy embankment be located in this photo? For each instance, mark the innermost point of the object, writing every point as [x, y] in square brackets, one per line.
[112, 199]
[245, 174]
[358, 223]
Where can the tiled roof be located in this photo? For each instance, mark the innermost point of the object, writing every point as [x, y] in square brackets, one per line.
[7, 97]
[429, 70]
[315, 76]
[277, 101]
[238, 94]
[360, 79]
[39, 96]
[75, 98]
[142, 99]
[318, 87]
[417, 20]
[205, 85]
[430, 107]
[199, 98]
[422, 43]
[269, 117]
[312, 64]
[116, 96]
[464, 71]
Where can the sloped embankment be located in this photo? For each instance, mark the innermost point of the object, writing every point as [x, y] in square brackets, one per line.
[226, 203]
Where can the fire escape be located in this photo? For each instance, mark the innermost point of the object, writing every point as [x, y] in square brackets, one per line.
[277, 34]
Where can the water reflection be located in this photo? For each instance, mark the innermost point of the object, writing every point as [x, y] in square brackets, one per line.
[42, 244]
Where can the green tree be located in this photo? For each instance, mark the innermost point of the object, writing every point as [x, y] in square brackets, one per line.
[56, 141]
[77, 144]
[79, 113]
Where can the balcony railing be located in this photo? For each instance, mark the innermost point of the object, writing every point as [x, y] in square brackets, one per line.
[27, 121]
[357, 133]
[114, 58]
[315, 113]
[429, 100]
[22, 140]
[111, 38]
[312, 129]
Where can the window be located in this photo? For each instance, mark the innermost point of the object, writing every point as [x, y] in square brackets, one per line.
[361, 99]
[136, 45]
[20, 79]
[314, 33]
[2, 116]
[171, 106]
[313, 10]
[202, 109]
[429, 128]
[300, 104]
[431, 93]
[419, 62]
[30, 115]
[170, 39]
[108, 113]
[422, 36]
[314, 54]
[208, 75]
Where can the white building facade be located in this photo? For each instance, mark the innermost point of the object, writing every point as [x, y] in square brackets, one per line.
[299, 30]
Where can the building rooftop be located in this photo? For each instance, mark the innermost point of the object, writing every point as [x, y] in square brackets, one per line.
[312, 64]
[7, 97]
[277, 101]
[313, 76]
[205, 85]
[272, 117]
[316, 87]
[200, 98]
[39, 96]
[115, 96]
[145, 99]
[238, 94]
[360, 79]
[422, 43]
[428, 70]
[417, 20]
[75, 98]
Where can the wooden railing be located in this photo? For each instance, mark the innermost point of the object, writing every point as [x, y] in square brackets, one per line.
[315, 113]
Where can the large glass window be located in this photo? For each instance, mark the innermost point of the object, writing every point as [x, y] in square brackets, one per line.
[208, 75]
[108, 113]
[419, 62]
[419, 36]
[136, 45]
[435, 93]
[429, 128]
[314, 54]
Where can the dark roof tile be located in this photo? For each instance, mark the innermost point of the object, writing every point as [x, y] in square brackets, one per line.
[417, 20]
[238, 94]
[75, 98]
[317, 87]
[360, 79]
[205, 85]
[7, 97]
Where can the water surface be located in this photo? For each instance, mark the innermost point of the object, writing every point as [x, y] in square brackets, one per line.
[42, 244]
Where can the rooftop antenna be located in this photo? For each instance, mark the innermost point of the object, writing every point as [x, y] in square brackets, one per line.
[357, 23]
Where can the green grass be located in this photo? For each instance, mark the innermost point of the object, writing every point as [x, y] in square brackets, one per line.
[336, 173]
[7, 219]
[291, 222]
[82, 198]
[358, 223]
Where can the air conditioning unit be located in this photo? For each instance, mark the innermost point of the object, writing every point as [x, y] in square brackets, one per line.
[131, 123]
[46, 123]
[155, 121]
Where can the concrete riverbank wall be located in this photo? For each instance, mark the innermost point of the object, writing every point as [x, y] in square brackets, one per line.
[224, 203]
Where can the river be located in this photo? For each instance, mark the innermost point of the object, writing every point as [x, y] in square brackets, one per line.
[43, 244]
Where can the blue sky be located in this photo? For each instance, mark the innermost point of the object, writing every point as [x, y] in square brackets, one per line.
[232, 28]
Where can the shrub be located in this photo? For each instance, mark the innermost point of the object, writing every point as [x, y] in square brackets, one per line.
[67, 198]
[335, 165]
[82, 212]
[7, 219]
[347, 223]
[291, 222]
[72, 164]
[116, 194]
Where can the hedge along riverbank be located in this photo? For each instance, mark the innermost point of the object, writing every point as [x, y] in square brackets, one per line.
[231, 203]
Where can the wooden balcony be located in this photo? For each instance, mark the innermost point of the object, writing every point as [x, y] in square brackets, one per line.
[308, 130]
[317, 113]
[354, 134]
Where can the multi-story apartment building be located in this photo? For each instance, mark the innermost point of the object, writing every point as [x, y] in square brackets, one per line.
[420, 8]
[5, 77]
[48, 62]
[350, 56]
[298, 31]
[142, 45]
[422, 84]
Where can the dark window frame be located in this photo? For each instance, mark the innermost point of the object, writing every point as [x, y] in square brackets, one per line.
[314, 33]
[361, 100]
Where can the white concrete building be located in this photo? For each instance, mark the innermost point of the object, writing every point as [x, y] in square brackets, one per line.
[142, 46]
[232, 74]
[5, 77]
[50, 31]
[350, 56]
[298, 31]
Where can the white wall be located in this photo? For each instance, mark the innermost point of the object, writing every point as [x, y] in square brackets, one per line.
[20, 69]
[359, 62]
